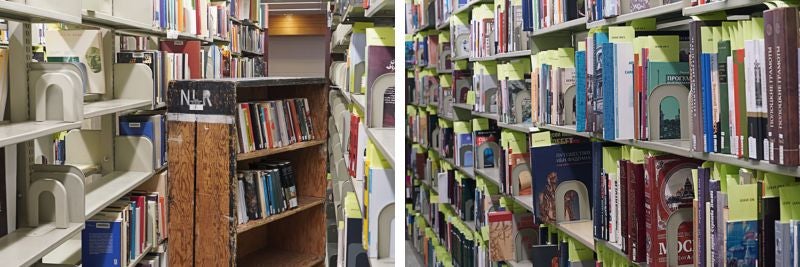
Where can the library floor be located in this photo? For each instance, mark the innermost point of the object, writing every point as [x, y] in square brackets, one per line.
[413, 259]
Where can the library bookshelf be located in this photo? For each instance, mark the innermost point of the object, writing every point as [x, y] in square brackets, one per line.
[427, 156]
[204, 184]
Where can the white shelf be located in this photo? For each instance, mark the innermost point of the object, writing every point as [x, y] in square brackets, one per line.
[384, 140]
[520, 127]
[463, 106]
[485, 58]
[20, 11]
[491, 174]
[460, 58]
[491, 116]
[647, 13]
[68, 253]
[513, 54]
[100, 108]
[360, 100]
[719, 6]
[581, 231]
[358, 188]
[469, 6]
[682, 148]
[575, 24]
[385, 262]
[525, 201]
[112, 21]
[26, 246]
[18, 132]
[110, 188]
[382, 8]
[444, 25]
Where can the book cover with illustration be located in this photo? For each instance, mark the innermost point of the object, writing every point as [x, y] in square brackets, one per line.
[669, 187]
[742, 231]
[462, 84]
[380, 76]
[562, 182]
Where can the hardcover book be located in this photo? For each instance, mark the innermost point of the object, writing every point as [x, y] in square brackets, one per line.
[670, 188]
[380, 77]
[562, 177]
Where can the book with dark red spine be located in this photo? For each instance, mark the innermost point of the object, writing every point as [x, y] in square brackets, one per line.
[636, 214]
[192, 50]
[669, 189]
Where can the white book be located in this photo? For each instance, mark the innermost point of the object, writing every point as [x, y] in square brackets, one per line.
[240, 201]
[441, 183]
[362, 147]
[750, 48]
[732, 109]
[84, 45]
[624, 87]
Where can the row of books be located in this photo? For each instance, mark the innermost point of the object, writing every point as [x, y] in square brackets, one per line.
[246, 38]
[444, 8]
[483, 35]
[601, 9]
[125, 230]
[165, 66]
[751, 64]
[420, 14]
[510, 33]
[540, 14]
[268, 188]
[251, 10]
[247, 67]
[273, 124]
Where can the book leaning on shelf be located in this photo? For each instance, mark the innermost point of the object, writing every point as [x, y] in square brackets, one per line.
[267, 189]
[273, 124]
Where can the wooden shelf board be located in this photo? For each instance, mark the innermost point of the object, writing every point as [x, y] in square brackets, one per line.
[100, 108]
[273, 151]
[581, 231]
[384, 140]
[111, 187]
[26, 246]
[575, 24]
[111, 21]
[18, 132]
[272, 257]
[304, 203]
[23, 12]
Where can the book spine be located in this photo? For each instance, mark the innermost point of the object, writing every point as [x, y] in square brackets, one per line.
[714, 188]
[695, 91]
[702, 198]
[786, 52]
[723, 51]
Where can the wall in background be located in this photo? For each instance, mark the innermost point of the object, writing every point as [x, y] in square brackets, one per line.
[301, 56]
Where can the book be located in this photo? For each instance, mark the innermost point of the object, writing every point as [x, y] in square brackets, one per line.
[380, 76]
[102, 239]
[669, 190]
[86, 47]
[150, 126]
[742, 233]
[562, 176]
[501, 240]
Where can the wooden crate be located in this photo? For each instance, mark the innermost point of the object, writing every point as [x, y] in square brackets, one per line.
[201, 124]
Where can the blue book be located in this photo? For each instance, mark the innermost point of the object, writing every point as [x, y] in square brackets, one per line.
[562, 177]
[149, 126]
[465, 150]
[132, 232]
[580, 91]
[742, 243]
[527, 16]
[101, 240]
[708, 129]
[609, 133]
[596, 101]
[266, 195]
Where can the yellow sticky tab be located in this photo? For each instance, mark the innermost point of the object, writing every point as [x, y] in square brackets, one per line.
[621, 34]
[540, 139]
[471, 97]
[480, 124]
[646, 24]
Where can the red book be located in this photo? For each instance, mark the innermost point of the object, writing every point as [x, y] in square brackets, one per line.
[191, 49]
[501, 238]
[669, 189]
[267, 125]
[635, 219]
